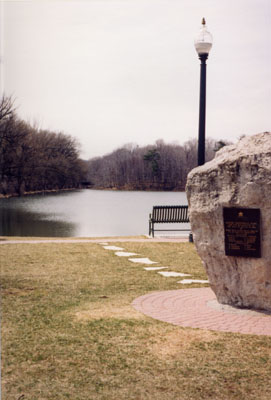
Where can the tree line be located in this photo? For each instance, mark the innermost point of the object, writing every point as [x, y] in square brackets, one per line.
[38, 160]
[158, 167]
[35, 160]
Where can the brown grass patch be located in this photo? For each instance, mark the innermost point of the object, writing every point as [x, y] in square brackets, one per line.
[108, 310]
[172, 343]
[17, 292]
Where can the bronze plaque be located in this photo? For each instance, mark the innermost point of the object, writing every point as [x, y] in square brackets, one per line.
[242, 232]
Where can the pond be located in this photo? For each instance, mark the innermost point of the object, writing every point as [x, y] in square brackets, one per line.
[84, 213]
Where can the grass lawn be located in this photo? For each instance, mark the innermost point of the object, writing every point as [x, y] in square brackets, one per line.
[69, 331]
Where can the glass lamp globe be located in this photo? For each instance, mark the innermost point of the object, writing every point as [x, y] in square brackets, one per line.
[203, 41]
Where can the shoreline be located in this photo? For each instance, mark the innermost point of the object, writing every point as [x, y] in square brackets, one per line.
[122, 239]
[34, 192]
[48, 191]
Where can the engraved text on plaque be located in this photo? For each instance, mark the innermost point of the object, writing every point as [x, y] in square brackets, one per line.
[242, 232]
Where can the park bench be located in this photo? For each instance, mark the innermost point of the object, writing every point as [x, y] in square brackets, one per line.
[168, 214]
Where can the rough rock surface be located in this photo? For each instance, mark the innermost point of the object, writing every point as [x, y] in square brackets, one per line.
[239, 176]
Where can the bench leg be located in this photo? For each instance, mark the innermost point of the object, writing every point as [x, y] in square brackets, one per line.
[151, 231]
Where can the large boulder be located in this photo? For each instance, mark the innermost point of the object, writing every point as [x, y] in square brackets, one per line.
[238, 177]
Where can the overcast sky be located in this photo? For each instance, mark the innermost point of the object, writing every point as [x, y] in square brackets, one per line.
[111, 72]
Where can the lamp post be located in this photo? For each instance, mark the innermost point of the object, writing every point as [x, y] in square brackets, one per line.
[203, 44]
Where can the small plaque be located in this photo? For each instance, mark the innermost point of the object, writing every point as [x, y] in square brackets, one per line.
[242, 232]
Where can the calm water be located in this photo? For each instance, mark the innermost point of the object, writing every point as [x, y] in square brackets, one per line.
[84, 213]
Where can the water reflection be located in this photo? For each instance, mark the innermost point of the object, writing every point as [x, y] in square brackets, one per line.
[15, 220]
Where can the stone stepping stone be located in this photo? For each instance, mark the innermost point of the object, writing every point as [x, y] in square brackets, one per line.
[125, 254]
[112, 248]
[142, 261]
[154, 268]
[172, 274]
[187, 281]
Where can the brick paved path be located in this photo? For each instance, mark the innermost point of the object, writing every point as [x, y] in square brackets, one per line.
[198, 308]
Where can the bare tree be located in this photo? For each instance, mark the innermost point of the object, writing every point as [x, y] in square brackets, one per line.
[158, 167]
[33, 159]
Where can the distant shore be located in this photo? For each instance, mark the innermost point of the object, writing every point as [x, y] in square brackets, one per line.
[113, 189]
[32, 193]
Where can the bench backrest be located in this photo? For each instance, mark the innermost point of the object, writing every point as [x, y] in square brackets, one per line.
[170, 214]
